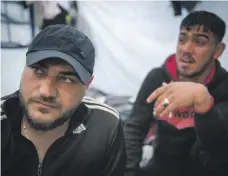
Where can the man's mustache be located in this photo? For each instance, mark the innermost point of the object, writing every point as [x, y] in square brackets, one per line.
[188, 58]
[49, 100]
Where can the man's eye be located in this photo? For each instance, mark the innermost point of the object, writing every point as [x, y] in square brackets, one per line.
[200, 42]
[182, 40]
[37, 71]
[65, 79]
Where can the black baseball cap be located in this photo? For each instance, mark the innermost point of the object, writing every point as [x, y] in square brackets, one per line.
[67, 43]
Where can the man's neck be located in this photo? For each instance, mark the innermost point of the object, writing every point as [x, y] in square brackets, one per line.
[42, 140]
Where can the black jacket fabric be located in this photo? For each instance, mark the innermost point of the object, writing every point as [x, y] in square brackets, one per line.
[93, 144]
[200, 150]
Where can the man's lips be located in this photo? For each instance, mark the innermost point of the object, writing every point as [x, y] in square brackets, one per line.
[187, 61]
[45, 104]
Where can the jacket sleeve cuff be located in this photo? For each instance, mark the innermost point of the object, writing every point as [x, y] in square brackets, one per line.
[129, 173]
[210, 127]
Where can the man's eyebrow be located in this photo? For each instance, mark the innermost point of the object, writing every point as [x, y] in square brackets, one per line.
[183, 33]
[201, 35]
[42, 65]
[69, 73]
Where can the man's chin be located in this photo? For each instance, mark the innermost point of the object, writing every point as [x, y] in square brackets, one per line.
[45, 122]
[186, 73]
[40, 116]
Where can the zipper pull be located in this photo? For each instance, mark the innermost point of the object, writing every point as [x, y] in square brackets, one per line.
[39, 171]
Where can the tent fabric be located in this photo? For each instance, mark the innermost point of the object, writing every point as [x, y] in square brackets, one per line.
[133, 37]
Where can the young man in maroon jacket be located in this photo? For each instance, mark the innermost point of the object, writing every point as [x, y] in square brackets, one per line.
[187, 98]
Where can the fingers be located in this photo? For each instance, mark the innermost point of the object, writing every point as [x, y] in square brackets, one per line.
[155, 94]
[167, 92]
[160, 95]
[159, 108]
[159, 105]
[168, 110]
[158, 92]
[162, 111]
[167, 95]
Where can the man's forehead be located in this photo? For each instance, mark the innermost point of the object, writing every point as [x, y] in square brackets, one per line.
[196, 30]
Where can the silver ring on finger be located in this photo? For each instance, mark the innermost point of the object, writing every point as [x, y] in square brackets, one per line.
[165, 103]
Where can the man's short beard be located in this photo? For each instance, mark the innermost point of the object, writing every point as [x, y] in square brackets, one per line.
[198, 73]
[45, 126]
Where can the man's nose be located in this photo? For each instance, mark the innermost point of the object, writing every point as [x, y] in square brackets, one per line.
[48, 88]
[188, 47]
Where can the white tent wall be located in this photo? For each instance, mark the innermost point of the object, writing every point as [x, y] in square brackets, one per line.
[131, 38]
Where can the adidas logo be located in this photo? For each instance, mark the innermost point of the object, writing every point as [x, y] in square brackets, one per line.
[79, 129]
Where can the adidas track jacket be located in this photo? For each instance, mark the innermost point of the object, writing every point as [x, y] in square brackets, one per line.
[92, 146]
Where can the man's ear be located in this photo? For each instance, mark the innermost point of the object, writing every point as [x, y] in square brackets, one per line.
[219, 50]
[90, 81]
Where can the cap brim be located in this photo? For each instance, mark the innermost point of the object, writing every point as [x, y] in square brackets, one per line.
[38, 56]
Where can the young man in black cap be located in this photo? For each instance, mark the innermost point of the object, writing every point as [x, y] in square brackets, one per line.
[48, 127]
[187, 98]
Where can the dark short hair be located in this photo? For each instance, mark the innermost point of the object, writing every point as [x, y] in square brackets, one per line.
[209, 21]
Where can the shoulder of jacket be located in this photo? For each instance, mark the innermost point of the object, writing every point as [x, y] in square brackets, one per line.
[3, 116]
[154, 79]
[155, 72]
[3, 100]
[96, 105]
